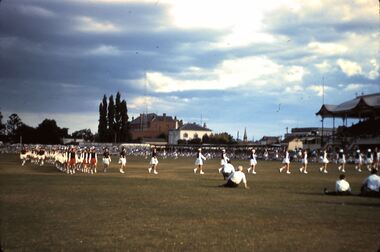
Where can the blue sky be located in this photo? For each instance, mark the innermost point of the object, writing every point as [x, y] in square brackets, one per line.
[236, 64]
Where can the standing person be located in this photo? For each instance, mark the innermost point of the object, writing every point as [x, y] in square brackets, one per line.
[358, 160]
[286, 162]
[223, 160]
[93, 160]
[106, 159]
[342, 187]
[341, 161]
[236, 178]
[369, 159]
[123, 160]
[86, 160]
[228, 169]
[325, 161]
[304, 161]
[23, 155]
[252, 162]
[153, 161]
[72, 160]
[376, 162]
[199, 162]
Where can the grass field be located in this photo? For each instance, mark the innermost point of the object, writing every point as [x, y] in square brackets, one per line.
[45, 210]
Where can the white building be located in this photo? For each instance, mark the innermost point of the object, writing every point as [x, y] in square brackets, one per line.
[188, 132]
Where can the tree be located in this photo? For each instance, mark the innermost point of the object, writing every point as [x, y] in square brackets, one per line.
[49, 133]
[111, 120]
[118, 117]
[85, 134]
[102, 128]
[13, 123]
[2, 128]
[125, 134]
[28, 134]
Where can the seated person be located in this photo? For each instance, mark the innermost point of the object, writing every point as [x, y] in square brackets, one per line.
[371, 185]
[342, 187]
[236, 178]
[228, 169]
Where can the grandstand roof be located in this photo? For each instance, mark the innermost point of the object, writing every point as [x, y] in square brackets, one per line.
[361, 107]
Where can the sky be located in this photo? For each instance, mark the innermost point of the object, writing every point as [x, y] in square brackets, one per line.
[234, 65]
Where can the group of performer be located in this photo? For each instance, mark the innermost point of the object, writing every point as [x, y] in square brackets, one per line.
[73, 159]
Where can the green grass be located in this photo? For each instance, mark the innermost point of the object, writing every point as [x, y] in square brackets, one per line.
[45, 210]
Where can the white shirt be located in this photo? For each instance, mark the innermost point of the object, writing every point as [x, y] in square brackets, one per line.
[373, 182]
[238, 177]
[228, 168]
[342, 185]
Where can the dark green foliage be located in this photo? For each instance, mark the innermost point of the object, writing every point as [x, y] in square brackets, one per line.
[85, 134]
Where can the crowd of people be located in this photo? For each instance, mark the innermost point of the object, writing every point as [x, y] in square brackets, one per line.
[74, 159]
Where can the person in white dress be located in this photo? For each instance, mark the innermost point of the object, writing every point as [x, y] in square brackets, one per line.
[123, 160]
[369, 159]
[199, 162]
[358, 160]
[153, 162]
[286, 162]
[223, 160]
[341, 161]
[304, 161]
[252, 162]
[106, 160]
[325, 161]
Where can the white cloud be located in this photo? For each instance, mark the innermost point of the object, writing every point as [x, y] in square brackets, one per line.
[354, 87]
[258, 72]
[324, 66]
[36, 11]
[350, 68]
[88, 24]
[320, 89]
[105, 50]
[327, 48]
[374, 72]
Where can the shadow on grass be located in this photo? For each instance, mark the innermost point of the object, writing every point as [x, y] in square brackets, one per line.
[364, 204]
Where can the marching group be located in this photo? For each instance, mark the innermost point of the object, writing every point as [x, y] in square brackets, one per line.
[72, 159]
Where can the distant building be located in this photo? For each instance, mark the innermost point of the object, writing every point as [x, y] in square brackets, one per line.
[268, 140]
[188, 131]
[309, 132]
[153, 126]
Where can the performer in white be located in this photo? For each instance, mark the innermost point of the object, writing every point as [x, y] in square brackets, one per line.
[252, 162]
[325, 161]
[93, 160]
[341, 161]
[123, 160]
[304, 161]
[223, 160]
[236, 178]
[377, 156]
[153, 161]
[358, 160]
[106, 160]
[199, 162]
[286, 162]
[23, 156]
[369, 159]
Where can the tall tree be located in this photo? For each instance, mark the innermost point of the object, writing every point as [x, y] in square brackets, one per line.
[125, 134]
[102, 128]
[13, 123]
[118, 117]
[111, 120]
